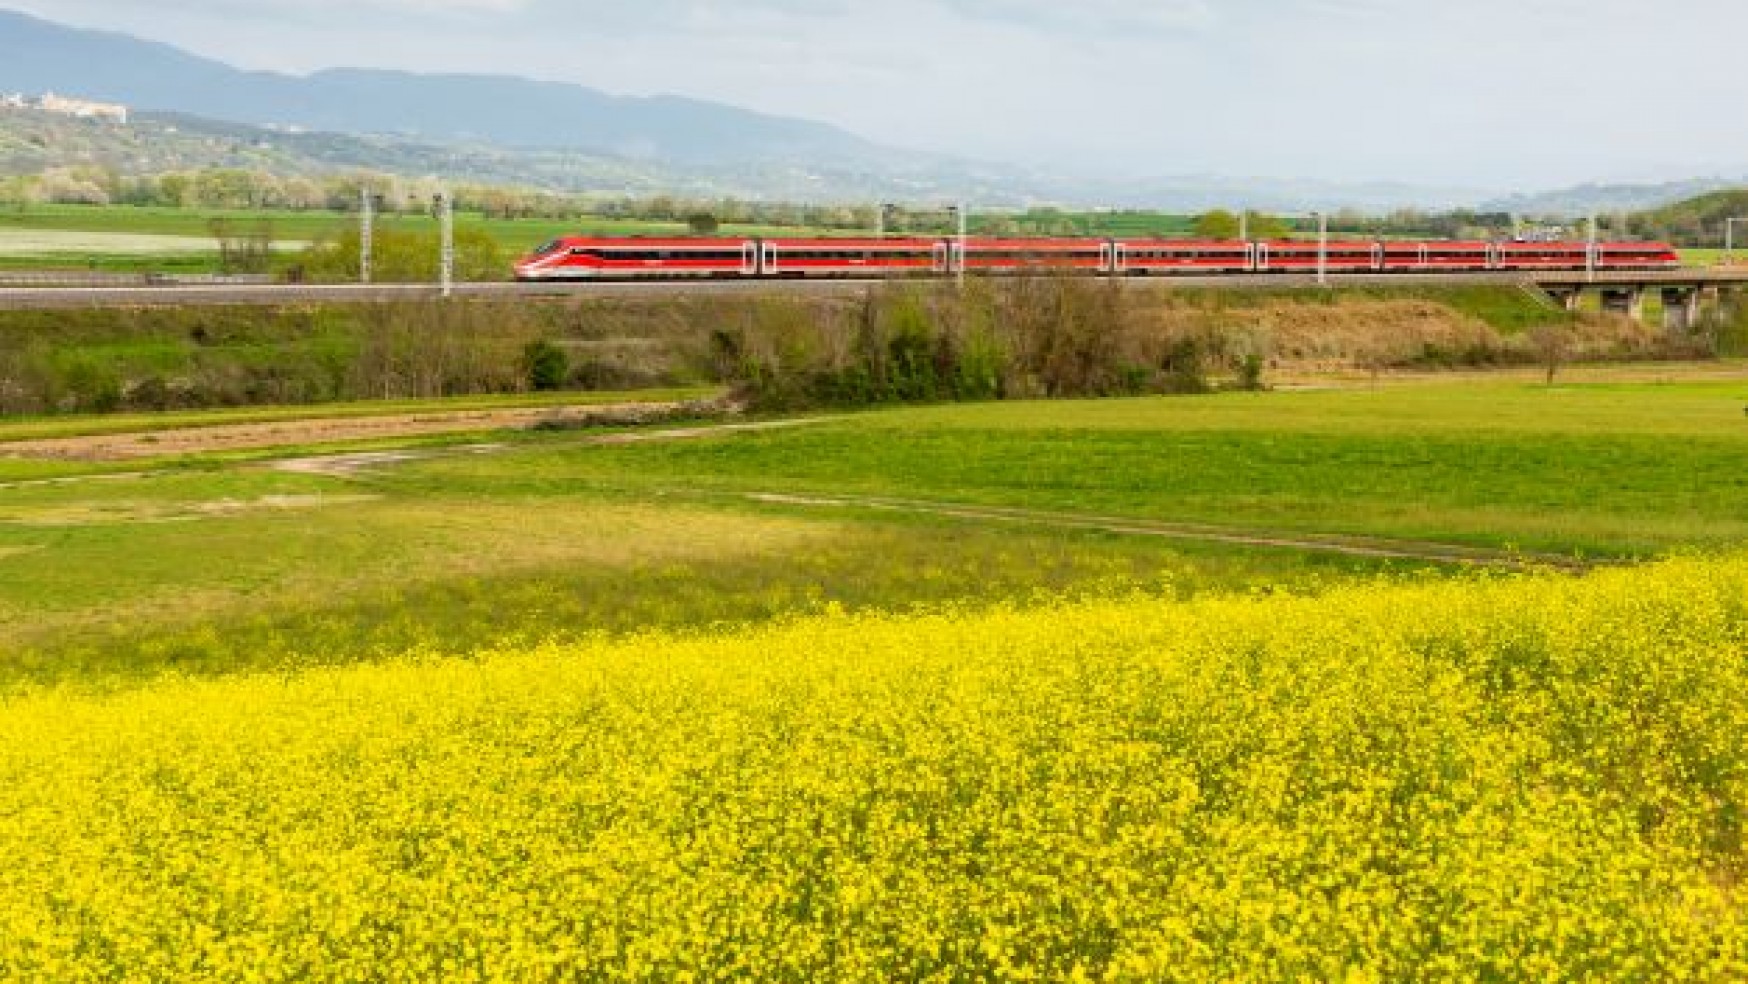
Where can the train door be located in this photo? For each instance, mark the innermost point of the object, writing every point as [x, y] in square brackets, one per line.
[771, 266]
[956, 257]
[1262, 257]
[749, 259]
[941, 258]
[1113, 258]
[1377, 256]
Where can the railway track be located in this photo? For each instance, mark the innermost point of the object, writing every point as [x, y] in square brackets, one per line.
[16, 298]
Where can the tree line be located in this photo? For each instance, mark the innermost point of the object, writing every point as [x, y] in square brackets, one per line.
[1699, 222]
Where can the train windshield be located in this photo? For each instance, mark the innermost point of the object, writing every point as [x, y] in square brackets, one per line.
[549, 248]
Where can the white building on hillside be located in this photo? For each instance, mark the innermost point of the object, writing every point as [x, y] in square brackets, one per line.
[13, 100]
[84, 109]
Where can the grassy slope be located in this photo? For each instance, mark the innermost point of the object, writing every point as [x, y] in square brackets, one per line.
[219, 569]
[1508, 310]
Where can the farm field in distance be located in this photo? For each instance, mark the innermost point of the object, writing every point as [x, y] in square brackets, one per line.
[1304, 683]
[42, 230]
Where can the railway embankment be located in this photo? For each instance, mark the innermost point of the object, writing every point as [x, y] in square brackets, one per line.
[1025, 337]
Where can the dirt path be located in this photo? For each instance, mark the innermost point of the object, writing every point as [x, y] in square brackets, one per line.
[38, 483]
[1353, 546]
[256, 436]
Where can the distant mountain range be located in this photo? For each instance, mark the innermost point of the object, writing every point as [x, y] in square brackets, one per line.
[33, 141]
[1606, 198]
[200, 113]
[516, 113]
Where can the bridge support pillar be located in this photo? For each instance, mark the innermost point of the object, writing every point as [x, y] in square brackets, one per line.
[1680, 309]
[1567, 298]
[1628, 301]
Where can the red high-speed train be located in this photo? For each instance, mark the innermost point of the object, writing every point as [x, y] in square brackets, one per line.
[641, 258]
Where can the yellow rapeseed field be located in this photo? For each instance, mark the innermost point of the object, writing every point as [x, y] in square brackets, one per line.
[1524, 778]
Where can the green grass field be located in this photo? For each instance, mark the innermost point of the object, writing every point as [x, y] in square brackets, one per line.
[1711, 257]
[222, 562]
[103, 223]
[1190, 688]
[1615, 470]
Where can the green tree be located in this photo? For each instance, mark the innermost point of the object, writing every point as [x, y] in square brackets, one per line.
[175, 190]
[405, 257]
[1263, 226]
[1218, 224]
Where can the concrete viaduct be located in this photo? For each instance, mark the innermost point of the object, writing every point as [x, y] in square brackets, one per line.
[1685, 293]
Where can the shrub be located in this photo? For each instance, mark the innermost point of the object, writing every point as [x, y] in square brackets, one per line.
[544, 364]
[1250, 367]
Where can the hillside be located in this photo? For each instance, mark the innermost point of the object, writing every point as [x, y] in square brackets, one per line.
[1697, 221]
[501, 110]
[1610, 198]
[32, 141]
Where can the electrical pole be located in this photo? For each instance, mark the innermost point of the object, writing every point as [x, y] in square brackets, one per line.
[366, 233]
[1590, 252]
[446, 219]
[964, 228]
[1322, 249]
[1244, 225]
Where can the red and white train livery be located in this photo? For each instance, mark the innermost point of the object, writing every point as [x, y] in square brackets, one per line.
[640, 258]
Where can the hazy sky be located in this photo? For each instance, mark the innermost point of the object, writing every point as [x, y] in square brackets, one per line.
[1486, 93]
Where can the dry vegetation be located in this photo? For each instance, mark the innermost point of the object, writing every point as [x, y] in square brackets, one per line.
[1398, 334]
[1021, 337]
[1064, 337]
